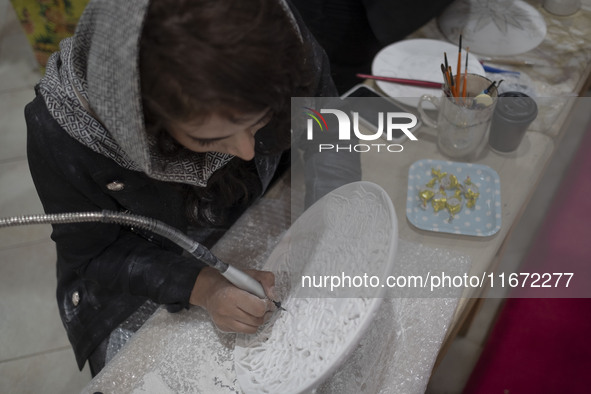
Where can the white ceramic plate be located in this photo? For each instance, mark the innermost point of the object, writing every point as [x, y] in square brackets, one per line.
[418, 59]
[493, 27]
[352, 230]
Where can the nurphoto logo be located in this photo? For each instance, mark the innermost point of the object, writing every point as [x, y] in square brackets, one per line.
[388, 121]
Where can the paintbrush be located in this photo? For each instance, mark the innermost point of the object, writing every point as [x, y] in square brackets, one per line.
[464, 88]
[509, 62]
[403, 81]
[458, 68]
[446, 82]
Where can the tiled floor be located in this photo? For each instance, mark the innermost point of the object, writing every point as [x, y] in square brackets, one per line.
[35, 356]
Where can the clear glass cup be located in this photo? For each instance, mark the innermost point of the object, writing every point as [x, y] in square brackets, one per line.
[462, 122]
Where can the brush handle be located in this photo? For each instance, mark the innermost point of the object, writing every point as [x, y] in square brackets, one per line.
[496, 70]
[403, 81]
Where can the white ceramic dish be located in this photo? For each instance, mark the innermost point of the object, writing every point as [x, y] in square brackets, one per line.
[418, 59]
[493, 27]
[352, 230]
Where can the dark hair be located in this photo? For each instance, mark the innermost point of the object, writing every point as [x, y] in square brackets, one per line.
[198, 57]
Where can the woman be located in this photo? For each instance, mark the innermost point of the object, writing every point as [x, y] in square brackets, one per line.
[176, 110]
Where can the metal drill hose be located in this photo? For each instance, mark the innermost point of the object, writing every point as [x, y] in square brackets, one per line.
[200, 252]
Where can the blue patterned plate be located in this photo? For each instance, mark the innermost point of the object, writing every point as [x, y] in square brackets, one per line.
[483, 220]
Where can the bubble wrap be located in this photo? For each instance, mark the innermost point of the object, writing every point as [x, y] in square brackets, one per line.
[185, 353]
[125, 330]
[397, 353]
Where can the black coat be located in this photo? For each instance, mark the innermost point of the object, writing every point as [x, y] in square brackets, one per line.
[104, 271]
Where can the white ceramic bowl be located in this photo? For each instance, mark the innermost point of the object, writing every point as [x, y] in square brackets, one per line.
[352, 230]
[493, 27]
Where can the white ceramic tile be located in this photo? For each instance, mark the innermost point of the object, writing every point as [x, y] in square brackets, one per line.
[49, 373]
[18, 67]
[19, 197]
[30, 321]
[13, 129]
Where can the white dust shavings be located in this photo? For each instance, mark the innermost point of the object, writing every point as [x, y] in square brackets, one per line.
[299, 345]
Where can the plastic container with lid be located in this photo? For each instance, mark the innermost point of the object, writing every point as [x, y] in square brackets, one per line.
[513, 114]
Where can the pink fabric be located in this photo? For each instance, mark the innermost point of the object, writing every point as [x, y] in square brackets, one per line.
[543, 345]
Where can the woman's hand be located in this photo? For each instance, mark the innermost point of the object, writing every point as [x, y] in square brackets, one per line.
[230, 308]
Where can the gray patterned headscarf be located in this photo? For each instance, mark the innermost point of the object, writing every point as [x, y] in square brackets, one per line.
[92, 89]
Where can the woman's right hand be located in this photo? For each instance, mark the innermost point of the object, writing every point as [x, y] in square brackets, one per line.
[230, 308]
